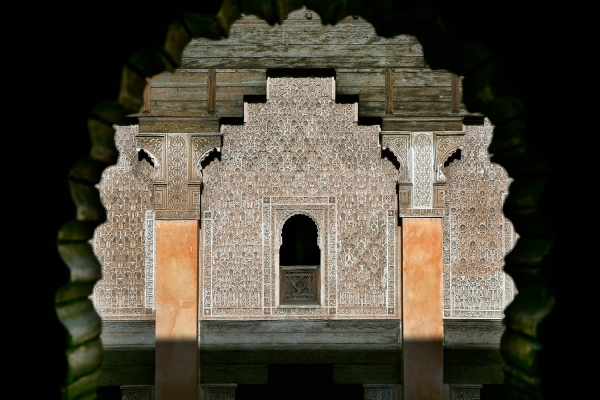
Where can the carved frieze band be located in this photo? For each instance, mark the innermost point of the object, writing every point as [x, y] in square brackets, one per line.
[177, 161]
[154, 125]
[423, 213]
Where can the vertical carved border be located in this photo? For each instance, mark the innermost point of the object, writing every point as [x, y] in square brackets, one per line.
[150, 262]
[206, 265]
[391, 262]
[509, 240]
[332, 242]
[422, 169]
[268, 286]
[450, 251]
[177, 171]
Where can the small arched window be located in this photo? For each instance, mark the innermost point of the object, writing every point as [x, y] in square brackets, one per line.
[299, 261]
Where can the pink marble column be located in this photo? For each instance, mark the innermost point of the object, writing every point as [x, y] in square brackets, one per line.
[176, 309]
[422, 321]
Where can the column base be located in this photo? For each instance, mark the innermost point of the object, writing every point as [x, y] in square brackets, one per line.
[379, 392]
[137, 392]
[225, 391]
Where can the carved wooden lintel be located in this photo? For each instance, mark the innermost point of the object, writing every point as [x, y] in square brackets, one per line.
[178, 125]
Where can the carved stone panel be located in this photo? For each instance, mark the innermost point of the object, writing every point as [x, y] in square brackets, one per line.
[439, 196]
[126, 193]
[477, 236]
[150, 263]
[300, 152]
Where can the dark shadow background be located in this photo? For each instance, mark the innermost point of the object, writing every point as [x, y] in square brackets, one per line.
[73, 59]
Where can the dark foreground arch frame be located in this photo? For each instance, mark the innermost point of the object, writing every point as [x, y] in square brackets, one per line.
[483, 91]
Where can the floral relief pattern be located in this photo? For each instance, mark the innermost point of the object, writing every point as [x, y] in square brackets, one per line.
[477, 236]
[399, 145]
[445, 147]
[307, 153]
[422, 161]
[126, 193]
[177, 171]
[301, 153]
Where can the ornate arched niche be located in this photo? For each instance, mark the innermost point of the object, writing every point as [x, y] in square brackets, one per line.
[300, 152]
[300, 261]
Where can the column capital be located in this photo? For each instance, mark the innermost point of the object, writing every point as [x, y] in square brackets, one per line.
[177, 160]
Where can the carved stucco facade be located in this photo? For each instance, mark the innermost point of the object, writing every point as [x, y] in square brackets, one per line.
[477, 236]
[123, 244]
[302, 153]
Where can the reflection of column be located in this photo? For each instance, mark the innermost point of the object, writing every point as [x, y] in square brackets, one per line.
[219, 391]
[422, 322]
[176, 309]
[137, 392]
[379, 392]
